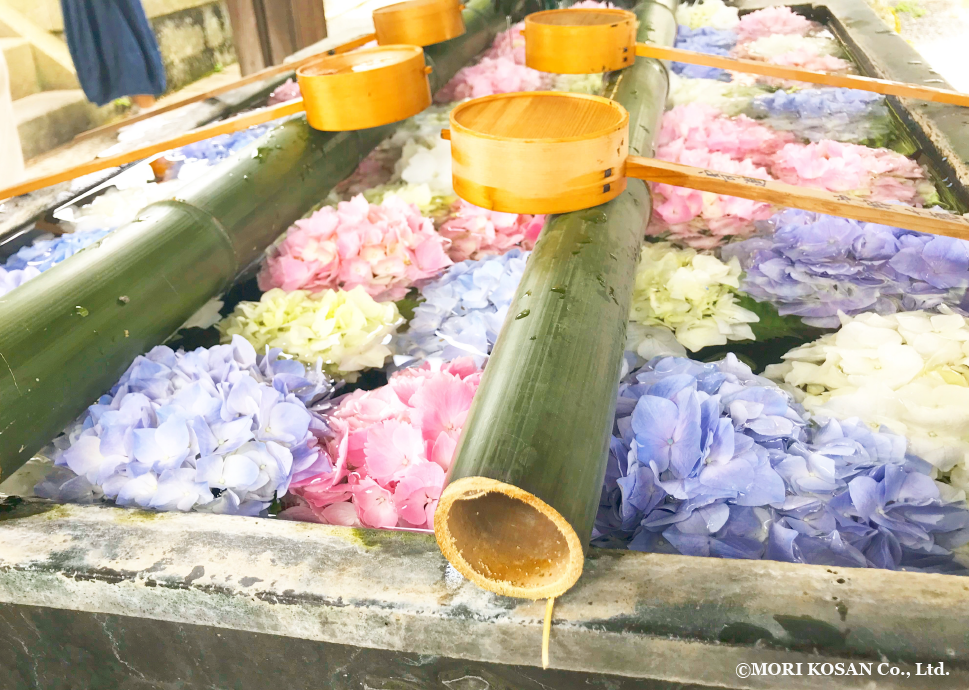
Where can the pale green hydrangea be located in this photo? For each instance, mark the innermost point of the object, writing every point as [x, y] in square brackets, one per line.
[347, 330]
[691, 294]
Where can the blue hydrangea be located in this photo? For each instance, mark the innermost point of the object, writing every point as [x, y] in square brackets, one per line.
[34, 259]
[710, 460]
[885, 512]
[463, 310]
[814, 266]
[216, 429]
[217, 149]
[704, 40]
[828, 113]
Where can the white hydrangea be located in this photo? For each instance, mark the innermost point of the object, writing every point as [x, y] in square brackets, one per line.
[691, 294]
[729, 98]
[770, 47]
[907, 371]
[712, 13]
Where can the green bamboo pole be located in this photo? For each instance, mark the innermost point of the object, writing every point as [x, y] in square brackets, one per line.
[67, 335]
[518, 512]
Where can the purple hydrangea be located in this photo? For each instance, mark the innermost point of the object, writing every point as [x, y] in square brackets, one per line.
[814, 266]
[829, 113]
[710, 460]
[463, 310]
[216, 429]
[704, 40]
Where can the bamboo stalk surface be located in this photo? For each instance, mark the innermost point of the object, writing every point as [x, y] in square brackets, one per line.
[526, 479]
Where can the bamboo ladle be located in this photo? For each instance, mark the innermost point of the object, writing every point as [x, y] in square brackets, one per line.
[552, 152]
[588, 41]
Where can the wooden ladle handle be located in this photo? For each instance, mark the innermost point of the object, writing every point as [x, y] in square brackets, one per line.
[782, 194]
[765, 69]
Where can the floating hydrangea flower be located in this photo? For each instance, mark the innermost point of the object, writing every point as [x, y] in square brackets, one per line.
[287, 91]
[390, 450]
[11, 278]
[881, 174]
[703, 40]
[215, 429]
[815, 53]
[857, 500]
[703, 128]
[907, 372]
[34, 259]
[347, 329]
[817, 267]
[464, 309]
[385, 249]
[492, 75]
[710, 460]
[691, 294]
[773, 20]
[591, 84]
[712, 13]
[701, 219]
[728, 98]
[690, 449]
[476, 232]
[843, 115]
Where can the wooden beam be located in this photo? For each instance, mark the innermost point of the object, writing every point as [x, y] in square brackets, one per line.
[806, 199]
[765, 69]
[235, 124]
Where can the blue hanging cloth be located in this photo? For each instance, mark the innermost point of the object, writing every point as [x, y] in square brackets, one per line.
[114, 49]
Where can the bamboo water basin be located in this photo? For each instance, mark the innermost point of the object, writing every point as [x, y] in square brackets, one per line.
[419, 22]
[580, 41]
[366, 88]
[539, 152]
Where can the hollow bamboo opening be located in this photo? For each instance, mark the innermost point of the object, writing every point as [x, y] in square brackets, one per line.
[507, 540]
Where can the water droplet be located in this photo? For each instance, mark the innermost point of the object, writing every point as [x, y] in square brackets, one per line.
[528, 293]
[532, 338]
[522, 314]
[124, 299]
[81, 311]
[560, 289]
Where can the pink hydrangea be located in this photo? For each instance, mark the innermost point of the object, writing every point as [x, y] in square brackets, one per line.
[476, 232]
[702, 126]
[385, 248]
[390, 450]
[773, 20]
[287, 91]
[509, 44]
[881, 174]
[490, 76]
[677, 206]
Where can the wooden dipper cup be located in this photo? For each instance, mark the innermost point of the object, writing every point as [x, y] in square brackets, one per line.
[365, 88]
[551, 152]
[580, 41]
[419, 22]
[539, 152]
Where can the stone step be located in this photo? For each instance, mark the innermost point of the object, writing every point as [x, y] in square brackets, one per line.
[48, 119]
[21, 67]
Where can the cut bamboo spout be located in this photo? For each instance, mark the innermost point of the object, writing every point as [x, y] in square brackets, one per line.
[766, 69]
